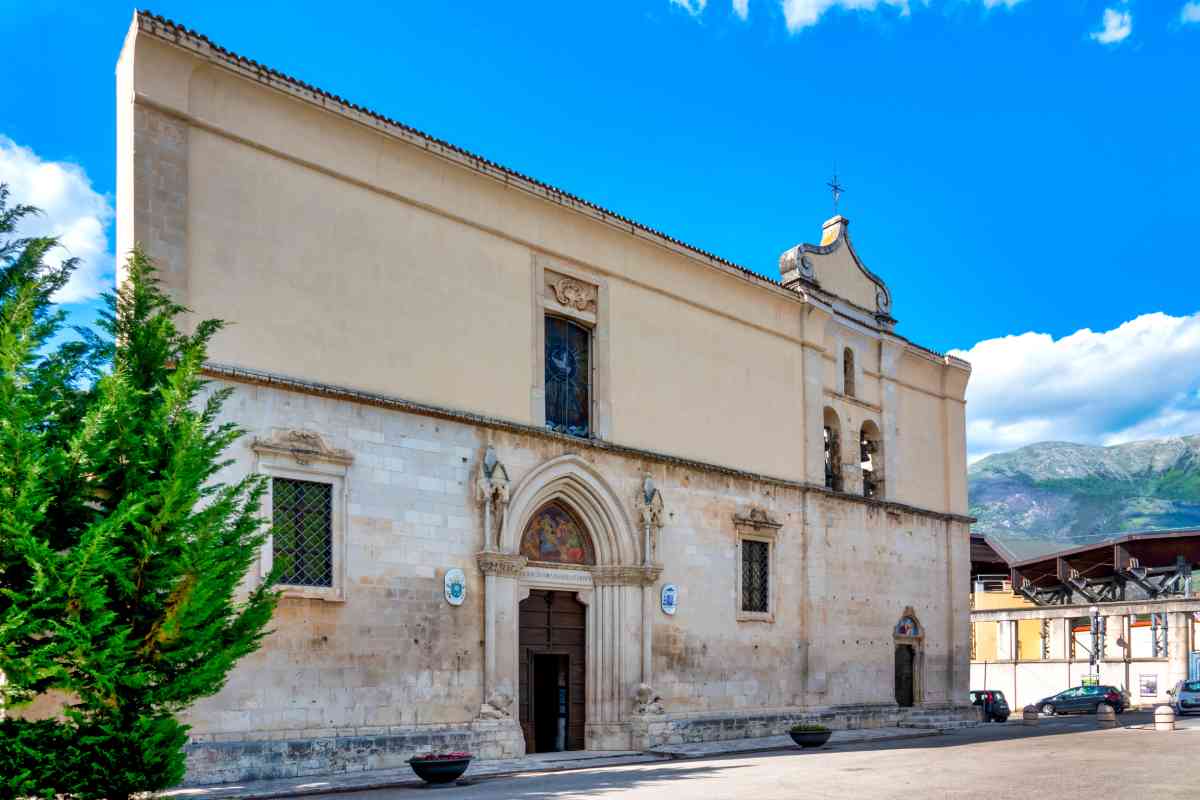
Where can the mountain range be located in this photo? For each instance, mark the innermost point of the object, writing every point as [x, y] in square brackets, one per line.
[1054, 495]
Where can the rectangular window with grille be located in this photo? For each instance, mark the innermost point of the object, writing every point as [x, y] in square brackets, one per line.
[756, 568]
[302, 520]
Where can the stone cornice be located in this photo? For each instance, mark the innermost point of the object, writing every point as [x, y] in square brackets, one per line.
[504, 565]
[261, 378]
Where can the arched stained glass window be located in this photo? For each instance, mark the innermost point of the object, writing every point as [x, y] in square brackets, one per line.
[568, 375]
[555, 535]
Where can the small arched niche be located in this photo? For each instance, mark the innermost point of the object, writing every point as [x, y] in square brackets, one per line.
[848, 372]
[555, 535]
[833, 450]
[870, 445]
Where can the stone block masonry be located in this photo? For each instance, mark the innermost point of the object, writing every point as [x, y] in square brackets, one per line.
[291, 754]
[389, 669]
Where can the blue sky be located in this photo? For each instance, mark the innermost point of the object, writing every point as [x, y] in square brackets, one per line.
[1023, 173]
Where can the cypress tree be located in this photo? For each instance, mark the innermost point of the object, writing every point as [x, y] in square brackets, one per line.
[124, 556]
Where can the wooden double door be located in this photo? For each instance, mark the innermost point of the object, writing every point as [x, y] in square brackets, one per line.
[553, 666]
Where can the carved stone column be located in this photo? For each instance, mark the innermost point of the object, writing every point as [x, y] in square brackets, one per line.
[615, 617]
[500, 572]
[652, 513]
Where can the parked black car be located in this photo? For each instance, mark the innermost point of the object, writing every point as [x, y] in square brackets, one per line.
[1083, 700]
[995, 707]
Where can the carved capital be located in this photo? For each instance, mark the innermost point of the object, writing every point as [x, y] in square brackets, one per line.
[503, 565]
[641, 575]
[302, 446]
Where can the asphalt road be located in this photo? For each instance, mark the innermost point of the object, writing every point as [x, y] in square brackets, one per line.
[1063, 757]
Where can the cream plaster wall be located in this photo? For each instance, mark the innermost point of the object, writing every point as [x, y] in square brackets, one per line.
[347, 251]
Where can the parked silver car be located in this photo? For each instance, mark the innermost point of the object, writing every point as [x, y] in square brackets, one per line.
[1185, 697]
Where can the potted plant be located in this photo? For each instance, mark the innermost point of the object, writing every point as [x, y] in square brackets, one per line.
[440, 767]
[810, 735]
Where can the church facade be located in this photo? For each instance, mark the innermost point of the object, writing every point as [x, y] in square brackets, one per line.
[542, 478]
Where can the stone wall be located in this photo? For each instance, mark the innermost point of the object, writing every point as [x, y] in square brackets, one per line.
[221, 759]
[391, 669]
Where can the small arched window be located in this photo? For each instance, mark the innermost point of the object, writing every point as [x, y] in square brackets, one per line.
[833, 451]
[848, 372]
[870, 445]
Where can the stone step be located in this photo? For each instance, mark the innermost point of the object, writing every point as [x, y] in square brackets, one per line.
[942, 725]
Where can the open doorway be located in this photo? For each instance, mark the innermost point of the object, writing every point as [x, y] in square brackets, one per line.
[905, 661]
[551, 707]
[552, 651]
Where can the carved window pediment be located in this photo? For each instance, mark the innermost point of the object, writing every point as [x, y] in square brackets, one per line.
[571, 293]
[757, 519]
[302, 446]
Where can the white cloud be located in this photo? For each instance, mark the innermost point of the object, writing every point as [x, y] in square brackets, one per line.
[800, 14]
[1140, 380]
[1117, 27]
[741, 8]
[71, 210]
[1190, 13]
[693, 7]
[996, 3]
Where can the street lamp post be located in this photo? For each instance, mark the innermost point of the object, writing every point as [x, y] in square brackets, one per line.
[1094, 657]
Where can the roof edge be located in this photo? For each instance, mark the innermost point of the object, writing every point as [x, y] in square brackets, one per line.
[173, 33]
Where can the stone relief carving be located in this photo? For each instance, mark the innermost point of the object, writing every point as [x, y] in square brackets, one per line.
[653, 515]
[644, 575]
[501, 564]
[757, 518]
[572, 293]
[491, 490]
[883, 302]
[303, 446]
[646, 701]
[498, 706]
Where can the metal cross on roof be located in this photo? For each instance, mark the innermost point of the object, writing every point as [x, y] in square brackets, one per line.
[837, 190]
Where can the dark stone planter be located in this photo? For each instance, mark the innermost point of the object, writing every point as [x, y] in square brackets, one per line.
[439, 770]
[811, 738]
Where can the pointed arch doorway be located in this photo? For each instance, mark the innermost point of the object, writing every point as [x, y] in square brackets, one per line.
[568, 581]
[552, 646]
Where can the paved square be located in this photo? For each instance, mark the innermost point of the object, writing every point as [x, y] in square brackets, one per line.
[1059, 758]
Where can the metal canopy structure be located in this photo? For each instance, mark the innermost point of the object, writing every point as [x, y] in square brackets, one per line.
[988, 557]
[1146, 565]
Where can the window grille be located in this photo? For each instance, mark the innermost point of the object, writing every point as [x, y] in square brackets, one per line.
[302, 521]
[568, 377]
[756, 567]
